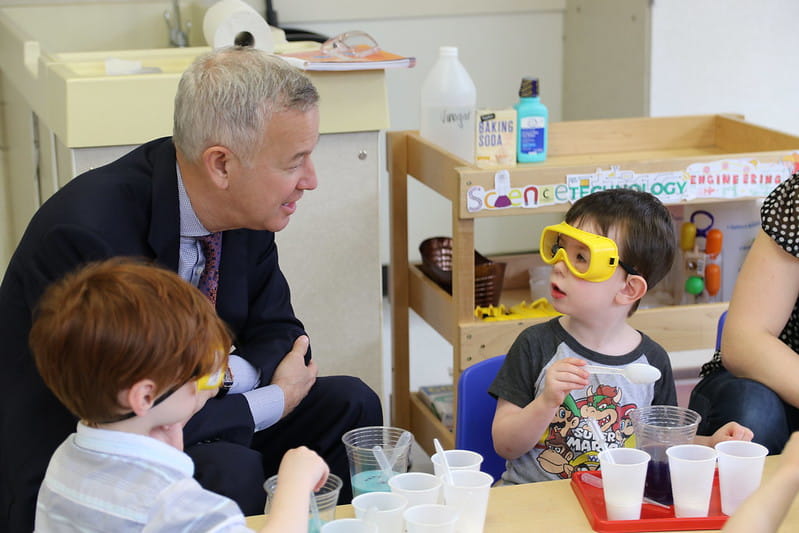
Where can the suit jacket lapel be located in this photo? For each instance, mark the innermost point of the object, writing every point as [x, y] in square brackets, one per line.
[233, 272]
[164, 234]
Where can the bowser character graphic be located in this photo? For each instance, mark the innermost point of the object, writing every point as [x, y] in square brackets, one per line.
[569, 444]
[601, 405]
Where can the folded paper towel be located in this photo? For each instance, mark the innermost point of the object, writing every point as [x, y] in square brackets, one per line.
[233, 22]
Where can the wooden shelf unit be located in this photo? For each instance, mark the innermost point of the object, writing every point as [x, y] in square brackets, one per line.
[580, 147]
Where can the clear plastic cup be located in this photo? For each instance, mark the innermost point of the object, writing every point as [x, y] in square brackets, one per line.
[657, 428]
[326, 500]
[539, 282]
[365, 472]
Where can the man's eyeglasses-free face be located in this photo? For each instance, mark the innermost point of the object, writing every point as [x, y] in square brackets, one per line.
[588, 256]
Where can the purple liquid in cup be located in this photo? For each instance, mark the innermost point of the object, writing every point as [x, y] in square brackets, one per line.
[657, 427]
[658, 483]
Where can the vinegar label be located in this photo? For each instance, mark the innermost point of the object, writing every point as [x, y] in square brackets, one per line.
[452, 128]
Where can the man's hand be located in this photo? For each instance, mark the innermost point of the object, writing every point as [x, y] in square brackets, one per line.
[293, 377]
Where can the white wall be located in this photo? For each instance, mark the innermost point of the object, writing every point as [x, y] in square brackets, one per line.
[497, 50]
[734, 56]
[606, 59]
[706, 57]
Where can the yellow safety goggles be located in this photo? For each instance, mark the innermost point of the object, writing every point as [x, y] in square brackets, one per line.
[588, 256]
[211, 381]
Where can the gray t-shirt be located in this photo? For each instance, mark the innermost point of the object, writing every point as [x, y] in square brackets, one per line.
[567, 445]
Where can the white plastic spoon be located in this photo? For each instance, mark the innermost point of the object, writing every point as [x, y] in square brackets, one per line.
[640, 373]
[402, 442]
[382, 461]
[444, 462]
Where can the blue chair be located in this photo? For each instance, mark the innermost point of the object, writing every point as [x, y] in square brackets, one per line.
[476, 413]
[719, 329]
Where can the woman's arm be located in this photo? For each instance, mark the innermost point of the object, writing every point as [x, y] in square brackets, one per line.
[764, 296]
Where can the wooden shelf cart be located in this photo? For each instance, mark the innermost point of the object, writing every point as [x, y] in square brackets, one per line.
[642, 145]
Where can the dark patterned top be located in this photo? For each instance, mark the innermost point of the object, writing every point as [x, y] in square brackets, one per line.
[779, 218]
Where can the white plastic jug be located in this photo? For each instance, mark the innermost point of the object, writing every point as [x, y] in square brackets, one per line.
[448, 105]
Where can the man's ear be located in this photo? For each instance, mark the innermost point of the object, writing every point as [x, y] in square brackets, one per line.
[633, 290]
[139, 397]
[217, 161]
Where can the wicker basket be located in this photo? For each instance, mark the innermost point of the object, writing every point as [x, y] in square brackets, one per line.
[437, 265]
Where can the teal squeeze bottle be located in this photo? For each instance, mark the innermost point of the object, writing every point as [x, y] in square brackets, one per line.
[533, 121]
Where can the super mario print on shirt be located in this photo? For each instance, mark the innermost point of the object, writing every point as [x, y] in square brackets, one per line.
[568, 444]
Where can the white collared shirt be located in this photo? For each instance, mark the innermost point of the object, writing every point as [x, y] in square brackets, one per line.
[102, 480]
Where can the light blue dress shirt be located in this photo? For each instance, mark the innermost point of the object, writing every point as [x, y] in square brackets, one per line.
[266, 403]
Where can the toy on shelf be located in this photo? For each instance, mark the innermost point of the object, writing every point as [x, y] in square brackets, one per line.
[701, 250]
[540, 308]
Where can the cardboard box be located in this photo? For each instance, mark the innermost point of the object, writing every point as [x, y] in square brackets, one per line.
[495, 138]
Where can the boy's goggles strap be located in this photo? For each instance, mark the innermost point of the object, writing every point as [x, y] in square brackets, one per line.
[588, 256]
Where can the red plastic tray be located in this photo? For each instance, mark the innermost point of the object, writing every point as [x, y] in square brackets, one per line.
[653, 517]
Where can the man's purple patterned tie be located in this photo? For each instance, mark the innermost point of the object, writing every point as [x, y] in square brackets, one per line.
[209, 279]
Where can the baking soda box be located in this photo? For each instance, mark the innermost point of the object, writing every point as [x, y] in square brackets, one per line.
[495, 144]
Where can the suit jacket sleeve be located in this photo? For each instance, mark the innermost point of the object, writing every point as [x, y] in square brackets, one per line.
[255, 301]
[33, 422]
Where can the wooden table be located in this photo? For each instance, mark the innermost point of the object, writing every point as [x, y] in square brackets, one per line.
[546, 506]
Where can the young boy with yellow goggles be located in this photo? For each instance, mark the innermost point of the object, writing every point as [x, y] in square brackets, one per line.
[546, 399]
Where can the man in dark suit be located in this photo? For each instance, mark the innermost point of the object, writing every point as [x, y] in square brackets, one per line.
[239, 161]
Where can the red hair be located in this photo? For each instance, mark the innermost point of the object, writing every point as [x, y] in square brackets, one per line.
[110, 324]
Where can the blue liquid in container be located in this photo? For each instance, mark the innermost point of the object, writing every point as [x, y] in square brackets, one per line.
[533, 124]
[315, 528]
[369, 481]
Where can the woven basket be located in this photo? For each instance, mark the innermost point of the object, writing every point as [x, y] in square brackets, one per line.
[437, 265]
